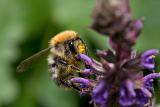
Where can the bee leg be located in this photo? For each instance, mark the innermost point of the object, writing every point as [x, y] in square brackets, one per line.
[65, 83]
[75, 86]
[84, 84]
[73, 69]
[80, 80]
[85, 71]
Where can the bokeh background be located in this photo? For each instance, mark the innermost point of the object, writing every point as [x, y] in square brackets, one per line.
[26, 27]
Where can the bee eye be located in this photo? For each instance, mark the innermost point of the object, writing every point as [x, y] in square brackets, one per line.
[71, 47]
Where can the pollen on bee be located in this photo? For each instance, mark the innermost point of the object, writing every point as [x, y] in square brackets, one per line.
[81, 48]
[63, 36]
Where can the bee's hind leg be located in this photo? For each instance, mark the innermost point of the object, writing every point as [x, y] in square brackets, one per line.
[68, 84]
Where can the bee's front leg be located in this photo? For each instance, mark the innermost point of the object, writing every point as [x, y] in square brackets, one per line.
[71, 68]
[85, 85]
[70, 84]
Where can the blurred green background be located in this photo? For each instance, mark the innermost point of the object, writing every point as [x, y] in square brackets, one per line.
[25, 28]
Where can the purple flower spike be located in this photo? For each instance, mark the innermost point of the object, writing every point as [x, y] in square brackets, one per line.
[118, 78]
[147, 58]
[82, 81]
[85, 58]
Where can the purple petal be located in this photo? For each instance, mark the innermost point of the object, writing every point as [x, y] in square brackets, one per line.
[83, 81]
[100, 93]
[99, 87]
[87, 71]
[149, 85]
[138, 24]
[146, 92]
[149, 53]
[149, 66]
[150, 60]
[141, 98]
[105, 95]
[125, 99]
[148, 80]
[150, 77]
[87, 59]
[134, 30]
[147, 59]
[130, 88]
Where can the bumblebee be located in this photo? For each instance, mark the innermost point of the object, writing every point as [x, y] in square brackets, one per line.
[63, 63]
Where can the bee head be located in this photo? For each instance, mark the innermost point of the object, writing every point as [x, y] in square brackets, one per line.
[67, 43]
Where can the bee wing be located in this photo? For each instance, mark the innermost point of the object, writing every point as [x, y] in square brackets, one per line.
[27, 63]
